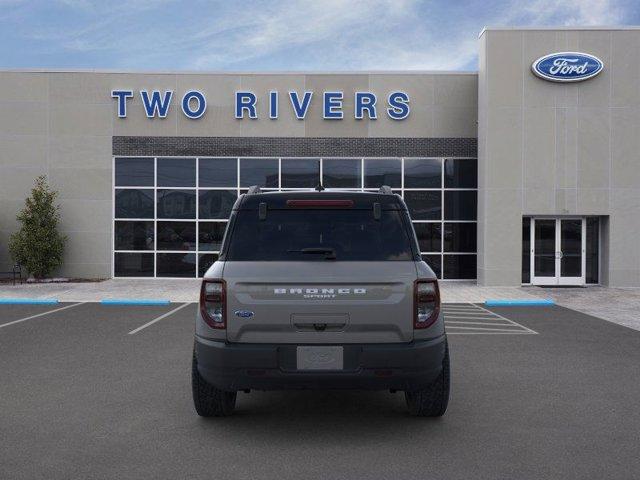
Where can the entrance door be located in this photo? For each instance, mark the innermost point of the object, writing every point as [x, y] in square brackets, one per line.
[558, 251]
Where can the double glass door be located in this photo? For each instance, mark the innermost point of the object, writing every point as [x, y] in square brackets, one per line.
[558, 251]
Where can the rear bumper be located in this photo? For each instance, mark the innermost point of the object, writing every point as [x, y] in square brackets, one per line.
[406, 366]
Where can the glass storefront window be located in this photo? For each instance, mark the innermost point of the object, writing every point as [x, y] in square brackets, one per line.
[460, 237]
[460, 173]
[216, 204]
[176, 172]
[177, 224]
[259, 171]
[422, 173]
[176, 203]
[300, 172]
[133, 264]
[218, 172]
[424, 205]
[460, 205]
[341, 173]
[459, 267]
[435, 262]
[429, 236]
[176, 264]
[382, 171]
[210, 235]
[134, 235]
[134, 172]
[134, 203]
[593, 249]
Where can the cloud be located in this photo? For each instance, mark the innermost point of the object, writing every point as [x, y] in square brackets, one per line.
[282, 34]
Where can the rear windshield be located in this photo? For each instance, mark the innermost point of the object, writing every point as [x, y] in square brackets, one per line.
[302, 235]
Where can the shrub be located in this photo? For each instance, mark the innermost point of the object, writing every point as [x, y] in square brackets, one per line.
[37, 245]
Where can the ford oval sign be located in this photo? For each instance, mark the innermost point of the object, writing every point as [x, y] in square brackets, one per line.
[243, 313]
[567, 67]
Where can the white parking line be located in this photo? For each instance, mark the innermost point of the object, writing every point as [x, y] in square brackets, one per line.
[159, 318]
[484, 329]
[510, 321]
[456, 316]
[40, 314]
[478, 323]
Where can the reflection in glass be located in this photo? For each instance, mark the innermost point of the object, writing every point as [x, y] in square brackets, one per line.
[259, 171]
[176, 172]
[571, 248]
[422, 173]
[176, 264]
[383, 171]
[216, 203]
[133, 235]
[176, 236]
[341, 173]
[204, 262]
[435, 262]
[210, 235]
[134, 203]
[218, 172]
[176, 203]
[460, 237]
[300, 172]
[429, 236]
[134, 172]
[460, 205]
[460, 173]
[424, 205]
[592, 240]
[133, 264]
[544, 255]
[459, 267]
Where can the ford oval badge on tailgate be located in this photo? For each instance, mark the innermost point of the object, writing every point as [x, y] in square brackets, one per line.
[243, 313]
[567, 67]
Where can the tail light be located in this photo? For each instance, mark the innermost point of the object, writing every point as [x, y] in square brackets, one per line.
[426, 303]
[213, 303]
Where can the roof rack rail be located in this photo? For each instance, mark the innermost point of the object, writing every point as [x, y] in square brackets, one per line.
[254, 189]
[386, 189]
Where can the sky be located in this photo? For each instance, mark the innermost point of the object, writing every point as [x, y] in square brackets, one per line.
[275, 35]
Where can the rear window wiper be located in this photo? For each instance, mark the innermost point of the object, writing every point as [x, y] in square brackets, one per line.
[330, 253]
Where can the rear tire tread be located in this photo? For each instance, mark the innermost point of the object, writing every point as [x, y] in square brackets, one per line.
[433, 400]
[208, 400]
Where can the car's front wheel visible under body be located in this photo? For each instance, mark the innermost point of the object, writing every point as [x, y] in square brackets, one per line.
[432, 401]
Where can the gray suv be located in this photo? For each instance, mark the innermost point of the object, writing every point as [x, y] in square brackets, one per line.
[315, 290]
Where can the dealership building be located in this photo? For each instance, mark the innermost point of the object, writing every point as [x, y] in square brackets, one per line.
[524, 172]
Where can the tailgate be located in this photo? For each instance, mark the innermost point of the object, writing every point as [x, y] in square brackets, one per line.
[320, 302]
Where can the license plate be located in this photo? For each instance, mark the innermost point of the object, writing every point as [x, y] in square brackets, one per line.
[319, 358]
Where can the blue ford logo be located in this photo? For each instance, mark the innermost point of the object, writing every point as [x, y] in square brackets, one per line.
[243, 313]
[567, 66]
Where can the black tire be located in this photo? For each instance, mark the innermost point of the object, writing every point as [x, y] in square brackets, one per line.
[433, 400]
[208, 400]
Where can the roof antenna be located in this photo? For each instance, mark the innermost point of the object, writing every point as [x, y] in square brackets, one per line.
[319, 187]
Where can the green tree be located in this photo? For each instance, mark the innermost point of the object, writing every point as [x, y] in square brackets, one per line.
[38, 246]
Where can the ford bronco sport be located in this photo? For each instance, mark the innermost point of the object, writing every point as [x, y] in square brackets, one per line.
[320, 289]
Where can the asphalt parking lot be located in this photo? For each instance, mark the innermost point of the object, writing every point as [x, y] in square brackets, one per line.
[91, 391]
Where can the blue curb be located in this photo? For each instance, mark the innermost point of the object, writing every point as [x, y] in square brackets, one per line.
[28, 301]
[126, 301]
[519, 303]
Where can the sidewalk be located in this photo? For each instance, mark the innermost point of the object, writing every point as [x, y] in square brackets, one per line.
[618, 305]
